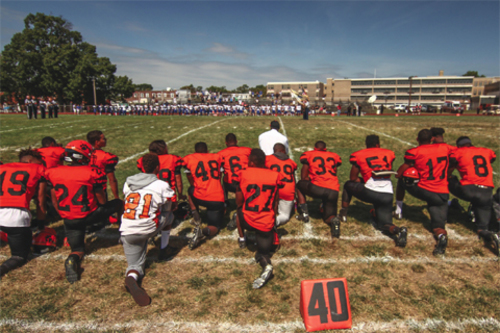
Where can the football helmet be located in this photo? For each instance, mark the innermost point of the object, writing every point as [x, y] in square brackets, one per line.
[411, 176]
[44, 241]
[78, 151]
[3, 237]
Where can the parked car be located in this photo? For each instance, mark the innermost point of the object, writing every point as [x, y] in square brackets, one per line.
[429, 108]
[492, 109]
[399, 107]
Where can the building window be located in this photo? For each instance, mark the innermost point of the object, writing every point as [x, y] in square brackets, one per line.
[384, 90]
[362, 83]
[135, 95]
[142, 94]
[271, 87]
[459, 81]
[433, 81]
[384, 82]
[165, 95]
[147, 95]
[407, 82]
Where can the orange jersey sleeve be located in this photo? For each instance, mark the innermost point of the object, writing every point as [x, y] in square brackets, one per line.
[474, 165]
[19, 182]
[52, 156]
[372, 159]
[431, 161]
[286, 169]
[322, 168]
[259, 187]
[104, 161]
[234, 159]
[74, 187]
[205, 169]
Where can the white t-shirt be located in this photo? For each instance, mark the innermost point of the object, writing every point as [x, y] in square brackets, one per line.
[15, 217]
[147, 208]
[268, 139]
[379, 185]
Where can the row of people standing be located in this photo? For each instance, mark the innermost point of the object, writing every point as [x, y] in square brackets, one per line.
[45, 105]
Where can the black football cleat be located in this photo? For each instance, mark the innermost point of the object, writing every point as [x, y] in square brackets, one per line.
[493, 244]
[140, 296]
[401, 237]
[441, 244]
[196, 239]
[72, 267]
[335, 227]
[232, 223]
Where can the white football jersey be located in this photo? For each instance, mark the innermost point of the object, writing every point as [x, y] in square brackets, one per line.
[147, 208]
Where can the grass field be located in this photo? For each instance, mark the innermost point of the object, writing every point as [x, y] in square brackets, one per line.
[209, 289]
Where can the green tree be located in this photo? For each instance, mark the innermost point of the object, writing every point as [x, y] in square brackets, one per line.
[48, 58]
[123, 88]
[242, 89]
[143, 87]
[473, 73]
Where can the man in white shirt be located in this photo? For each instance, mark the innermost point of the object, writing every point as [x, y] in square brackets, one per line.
[148, 210]
[268, 139]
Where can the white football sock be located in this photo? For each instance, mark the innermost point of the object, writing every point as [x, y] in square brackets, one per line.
[399, 207]
[165, 237]
[134, 275]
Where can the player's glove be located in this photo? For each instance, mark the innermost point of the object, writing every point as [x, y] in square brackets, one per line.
[242, 242]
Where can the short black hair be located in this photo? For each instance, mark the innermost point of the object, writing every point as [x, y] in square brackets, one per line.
[275, 125]
[372, 141]
[425, 136]
[201, 147]
[231, 138]
[48, 141]
[464, 141]
[437, 131]
[157, 147]
[94, 136]
[258, 157]
[150, 162]
[30, 152]
[279, 147]
[320, 145]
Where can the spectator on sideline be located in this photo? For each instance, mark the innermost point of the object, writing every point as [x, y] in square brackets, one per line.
[268, 139]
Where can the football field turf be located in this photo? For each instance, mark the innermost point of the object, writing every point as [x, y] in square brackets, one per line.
[209, 288]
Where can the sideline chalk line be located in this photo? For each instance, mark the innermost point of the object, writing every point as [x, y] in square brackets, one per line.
[308, 230]
[156, 323]
[278, 260]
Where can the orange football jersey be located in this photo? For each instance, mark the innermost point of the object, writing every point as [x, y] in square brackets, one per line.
[474, 165]
[18, 183]
[286, 168]
[169, 167]
[205, 169]
[322, 167]
[74, 187]
[234, 159]
[372, 159]
[259, 187]
[431, 162]
[52, 156]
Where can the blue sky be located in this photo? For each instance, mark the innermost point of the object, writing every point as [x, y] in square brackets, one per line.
[170, 43]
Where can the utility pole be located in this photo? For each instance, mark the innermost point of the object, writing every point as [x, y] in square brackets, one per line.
[93, 83]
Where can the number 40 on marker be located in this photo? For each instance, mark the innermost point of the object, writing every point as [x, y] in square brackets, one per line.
[324, 304]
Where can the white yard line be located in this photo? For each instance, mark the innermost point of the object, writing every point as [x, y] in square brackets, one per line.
[173, 140]
[277, 260]
[380, 133]
[47, 125]
[308, 230]
[157, 324]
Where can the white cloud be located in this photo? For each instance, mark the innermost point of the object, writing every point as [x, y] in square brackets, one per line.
[226, 50]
